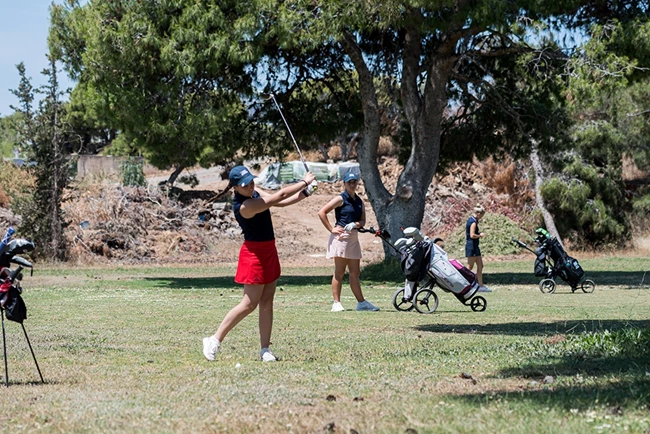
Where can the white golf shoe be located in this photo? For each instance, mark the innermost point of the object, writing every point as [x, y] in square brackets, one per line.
[210, 347]
[484, 289]
[366, 305]
[267, 356]
[337, 307]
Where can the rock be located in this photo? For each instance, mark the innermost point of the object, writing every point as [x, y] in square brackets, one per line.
[548, 379]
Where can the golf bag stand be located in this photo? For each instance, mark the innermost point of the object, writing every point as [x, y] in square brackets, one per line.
[4, 348]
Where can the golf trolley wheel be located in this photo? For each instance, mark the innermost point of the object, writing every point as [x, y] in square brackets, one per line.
[400, 303]
[425, 301]
[588, 286]
[478, 304]
[547, 286]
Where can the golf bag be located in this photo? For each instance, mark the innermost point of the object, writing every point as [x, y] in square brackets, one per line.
[11, 303]
[428, 259]
[551, 261]
[554, 260]
[452, 276]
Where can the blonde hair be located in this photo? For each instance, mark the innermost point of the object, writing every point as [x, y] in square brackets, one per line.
[478, 209]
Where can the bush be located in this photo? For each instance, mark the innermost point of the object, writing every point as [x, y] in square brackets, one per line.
[627, 342]
[499, 230]
[15, 184]
[132, 172]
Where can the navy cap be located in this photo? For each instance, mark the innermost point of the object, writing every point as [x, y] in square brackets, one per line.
[350, 176]
[241, 176]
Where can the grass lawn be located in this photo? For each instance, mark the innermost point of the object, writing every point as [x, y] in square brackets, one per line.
[120, 350]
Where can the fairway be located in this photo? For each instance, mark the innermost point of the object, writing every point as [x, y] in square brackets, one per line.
[120, 350]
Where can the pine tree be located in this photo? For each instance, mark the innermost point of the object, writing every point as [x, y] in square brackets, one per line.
[43, 137]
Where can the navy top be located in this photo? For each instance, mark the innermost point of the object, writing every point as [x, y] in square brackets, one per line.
[473, 242]
[257, 228]
[351, 210]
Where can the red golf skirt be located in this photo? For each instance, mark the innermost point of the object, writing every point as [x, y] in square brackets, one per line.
[258, 263]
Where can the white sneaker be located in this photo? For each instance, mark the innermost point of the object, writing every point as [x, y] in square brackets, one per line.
[267, 356]
[366, 305]
[210, 347]
[484, 289]
[337, 307]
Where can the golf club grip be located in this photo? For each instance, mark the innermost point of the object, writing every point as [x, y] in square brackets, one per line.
[15, 273]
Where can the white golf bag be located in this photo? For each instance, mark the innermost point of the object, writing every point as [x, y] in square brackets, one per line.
[450, 275]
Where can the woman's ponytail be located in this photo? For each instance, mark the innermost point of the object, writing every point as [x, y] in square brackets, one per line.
[222, 192]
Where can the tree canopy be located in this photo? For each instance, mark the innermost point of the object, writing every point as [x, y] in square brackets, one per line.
[181, 80]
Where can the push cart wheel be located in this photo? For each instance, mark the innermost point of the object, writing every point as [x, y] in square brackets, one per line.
[400, 303]
[547, 286]
[478, 304]
[425, 301]
[588, 286]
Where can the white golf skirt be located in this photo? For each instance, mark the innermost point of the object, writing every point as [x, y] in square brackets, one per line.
[345, 246]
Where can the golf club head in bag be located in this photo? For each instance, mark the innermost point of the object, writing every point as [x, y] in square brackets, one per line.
[412, 232]
[15, 248]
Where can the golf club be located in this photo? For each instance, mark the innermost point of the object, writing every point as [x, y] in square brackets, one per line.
[271, 96]
[314, 185]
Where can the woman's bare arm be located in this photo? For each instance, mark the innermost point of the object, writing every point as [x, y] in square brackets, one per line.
[326, 209]
[251, 206]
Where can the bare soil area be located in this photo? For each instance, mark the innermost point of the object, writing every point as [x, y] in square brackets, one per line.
[301, 238]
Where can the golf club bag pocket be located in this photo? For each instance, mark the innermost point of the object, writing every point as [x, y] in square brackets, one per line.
[540, 266]
[414, 262]
[451, 279]
[13, 304]
[570, 270]
[466, 272]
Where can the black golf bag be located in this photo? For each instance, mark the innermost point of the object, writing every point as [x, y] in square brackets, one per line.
[11, 303]
[561, 264]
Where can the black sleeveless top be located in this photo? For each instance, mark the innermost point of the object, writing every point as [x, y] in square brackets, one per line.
[351, 210]
[257, 228]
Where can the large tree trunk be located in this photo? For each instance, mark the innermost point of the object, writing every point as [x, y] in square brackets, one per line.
[424, 114]
[549, 222]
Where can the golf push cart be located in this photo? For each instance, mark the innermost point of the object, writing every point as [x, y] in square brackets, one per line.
[552, 261]
[424, 261]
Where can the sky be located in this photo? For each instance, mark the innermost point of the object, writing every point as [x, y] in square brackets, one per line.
[23, 38]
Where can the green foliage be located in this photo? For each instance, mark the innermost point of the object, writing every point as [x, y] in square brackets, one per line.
[499, 230]
[192, 180]
[627, 342]
[9, 135]
[588, 204]
[641, 205]
[43, 134]
[132, 173]
[168, 76]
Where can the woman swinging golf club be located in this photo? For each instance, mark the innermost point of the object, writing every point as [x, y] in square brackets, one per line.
[259, 266]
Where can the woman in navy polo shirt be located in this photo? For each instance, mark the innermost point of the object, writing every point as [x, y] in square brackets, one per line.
[259, 266]
[472, 250]
[343, 243]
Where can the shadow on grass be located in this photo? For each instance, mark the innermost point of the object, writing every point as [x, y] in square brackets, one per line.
[228, 282]
[534, 328]
[575, 364]
[632, 279]
[618, 396]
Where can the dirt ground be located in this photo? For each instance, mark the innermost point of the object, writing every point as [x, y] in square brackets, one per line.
[110, 223]
[301, 238]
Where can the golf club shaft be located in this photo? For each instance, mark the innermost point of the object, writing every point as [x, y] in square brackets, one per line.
[290, 133]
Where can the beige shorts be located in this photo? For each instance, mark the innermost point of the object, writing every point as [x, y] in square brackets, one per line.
[345, 246]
